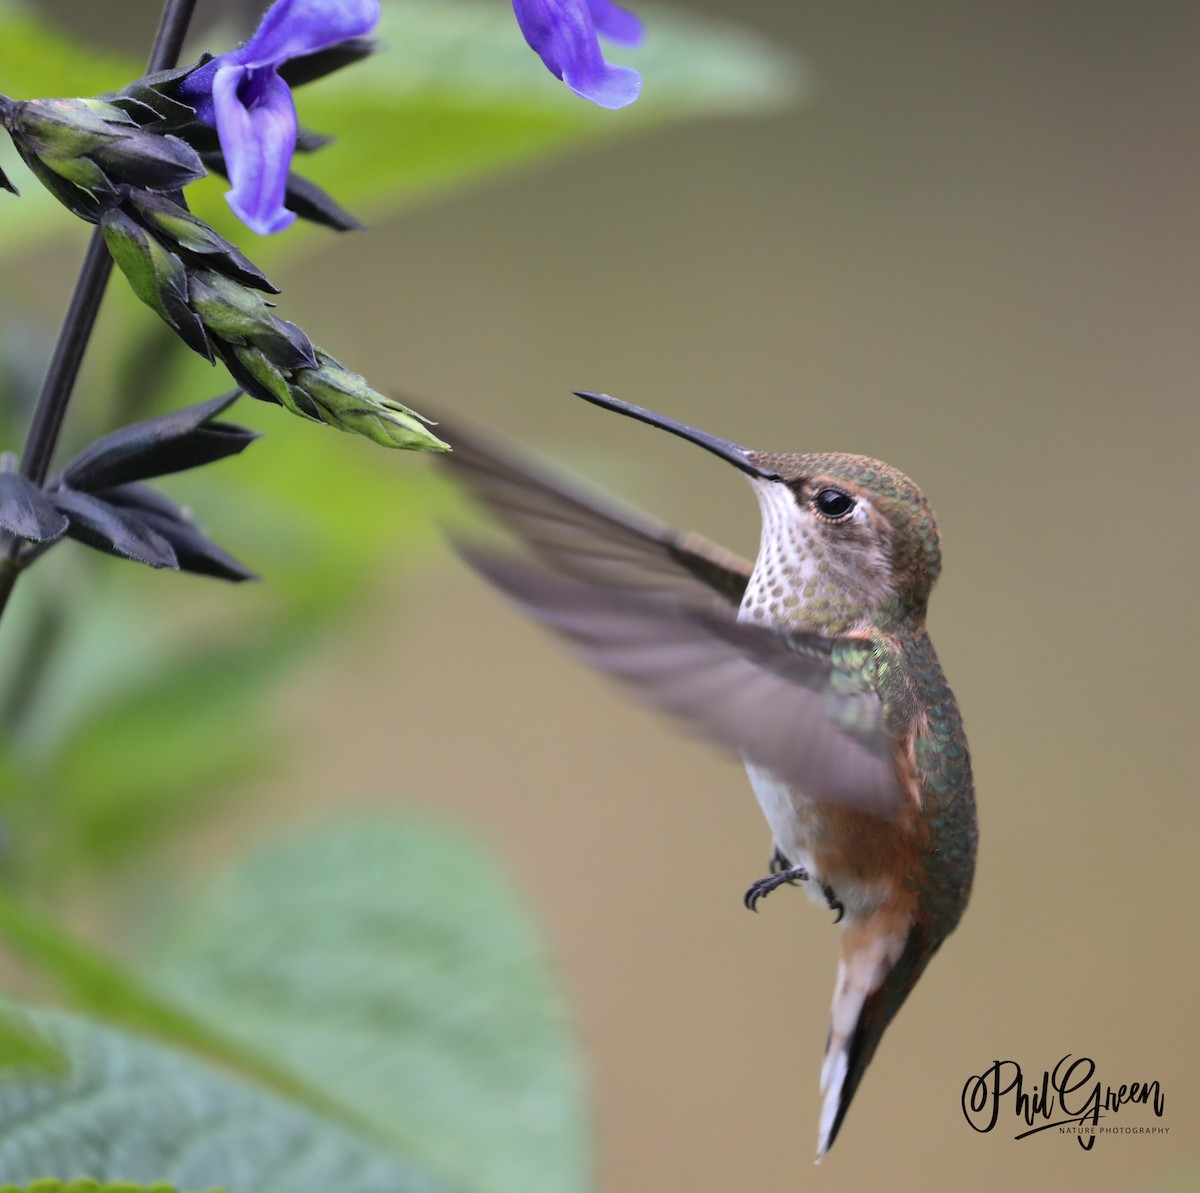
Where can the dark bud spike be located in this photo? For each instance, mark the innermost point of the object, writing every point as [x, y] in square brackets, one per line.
[150, 160]
[739, 457]
[303, 196]
[312, 203]
[145, 500]
[6, 184]
[140, 113]
[187, 324]
[298, 71]
[309, 142]
[97, 524]
[159, 94]
[169, 443]
[27, 512]
[195, 552]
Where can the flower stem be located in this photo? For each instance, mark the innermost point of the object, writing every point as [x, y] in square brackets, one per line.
[80, 319]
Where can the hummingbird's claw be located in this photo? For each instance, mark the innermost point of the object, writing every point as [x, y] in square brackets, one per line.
[779, 863]
[833, 902]
[764, 886]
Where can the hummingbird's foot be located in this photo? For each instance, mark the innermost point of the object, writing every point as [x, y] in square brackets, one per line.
[764, 886]
[779, 863]
[833, 902]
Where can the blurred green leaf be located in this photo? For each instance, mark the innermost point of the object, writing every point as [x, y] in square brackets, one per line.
[94, 983]
[130, 727]
[173, 744]
[38, 61]
[138, 709]
[454, 93]
[134, 1111]
[390, 962]
[85, 1185]
[23, 1047]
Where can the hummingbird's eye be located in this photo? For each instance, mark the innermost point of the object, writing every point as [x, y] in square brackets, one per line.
[833, 503]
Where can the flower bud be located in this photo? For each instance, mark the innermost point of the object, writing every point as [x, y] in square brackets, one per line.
[239, 315]
[347, 402]
[155, 274]
[98, 148]
[192, 235]
[260, 378]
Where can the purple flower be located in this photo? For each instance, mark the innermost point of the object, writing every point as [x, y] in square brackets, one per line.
[242, 95]
[565, 34]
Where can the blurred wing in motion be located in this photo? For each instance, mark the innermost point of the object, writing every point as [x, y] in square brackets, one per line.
[593, 538]
[658, 610]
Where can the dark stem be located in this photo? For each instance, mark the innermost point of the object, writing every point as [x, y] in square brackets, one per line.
[80, 319]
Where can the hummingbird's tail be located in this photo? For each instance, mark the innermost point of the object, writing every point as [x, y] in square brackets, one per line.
[883, 954]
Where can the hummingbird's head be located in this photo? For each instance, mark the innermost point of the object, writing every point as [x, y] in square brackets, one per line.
[850, 527]
[865, 519]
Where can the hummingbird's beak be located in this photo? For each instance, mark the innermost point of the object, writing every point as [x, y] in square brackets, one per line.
[739, 457]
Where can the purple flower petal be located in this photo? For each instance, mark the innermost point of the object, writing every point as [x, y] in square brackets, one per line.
[196, 89]
[564, 36]
[256, 123]
[293, 28]
[615, 23]
[242, 94]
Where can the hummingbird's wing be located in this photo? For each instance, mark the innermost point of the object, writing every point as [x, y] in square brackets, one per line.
[796, 705]
[591, 537]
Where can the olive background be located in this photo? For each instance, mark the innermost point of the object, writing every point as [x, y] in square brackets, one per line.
[972, 252]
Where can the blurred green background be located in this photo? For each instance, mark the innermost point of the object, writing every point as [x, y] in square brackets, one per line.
[972, 251]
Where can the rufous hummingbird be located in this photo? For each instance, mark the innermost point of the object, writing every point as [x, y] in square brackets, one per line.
[813, 663]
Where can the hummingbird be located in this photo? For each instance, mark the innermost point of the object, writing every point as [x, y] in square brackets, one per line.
[812, 663]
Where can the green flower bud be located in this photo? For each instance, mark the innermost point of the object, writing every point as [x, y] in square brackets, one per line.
[155, 274]
[98, 148]
[60, 129]
[347, 402]
[259, 377]
[240, 316]
[192, 235]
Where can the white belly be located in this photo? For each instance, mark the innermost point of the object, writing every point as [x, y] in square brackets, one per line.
[790, 817]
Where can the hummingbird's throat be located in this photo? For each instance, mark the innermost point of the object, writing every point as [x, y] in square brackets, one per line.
[800, 580]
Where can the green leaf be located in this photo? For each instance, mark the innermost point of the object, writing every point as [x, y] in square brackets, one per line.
[102, 987]
[85, 1185]
[170, 745]
[389, 961]
[132, 1111]
[133, 727]
[23, 1047]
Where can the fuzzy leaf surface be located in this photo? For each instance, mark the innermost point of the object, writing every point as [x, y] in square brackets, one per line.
[389, 960]
[132, 1111]
[113, 531]
[172, 442]
[85, 1184]
[26, 511]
